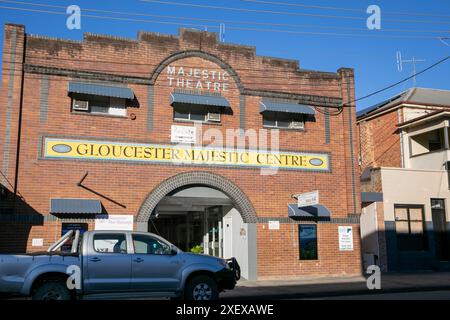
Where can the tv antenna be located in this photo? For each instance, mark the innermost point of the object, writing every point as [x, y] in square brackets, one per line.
[413, 61]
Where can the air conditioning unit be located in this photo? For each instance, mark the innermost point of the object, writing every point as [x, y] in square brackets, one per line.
[80, 105]
[296, 124]
[213, 116]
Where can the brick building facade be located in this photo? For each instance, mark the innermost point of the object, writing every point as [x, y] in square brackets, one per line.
[39, 81]
[405, 181]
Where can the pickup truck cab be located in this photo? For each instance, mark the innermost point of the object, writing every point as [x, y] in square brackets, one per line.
[116, 264]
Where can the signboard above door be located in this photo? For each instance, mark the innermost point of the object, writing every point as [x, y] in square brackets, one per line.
[308, 199]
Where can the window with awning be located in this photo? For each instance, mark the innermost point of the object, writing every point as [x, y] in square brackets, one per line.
[189, 106]
[99, 98]
[75, 206]
[281, 114]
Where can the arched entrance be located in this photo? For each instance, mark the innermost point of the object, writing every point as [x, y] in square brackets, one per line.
[204, 209]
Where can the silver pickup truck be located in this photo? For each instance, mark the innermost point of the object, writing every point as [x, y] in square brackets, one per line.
[116, 264]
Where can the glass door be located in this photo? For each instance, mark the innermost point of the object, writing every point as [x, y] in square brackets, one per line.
[213, 231]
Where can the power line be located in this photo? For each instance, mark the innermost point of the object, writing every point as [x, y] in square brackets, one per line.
[224, 20]
[193, 5]
[345, 9]
[400, 82]
[233, 28]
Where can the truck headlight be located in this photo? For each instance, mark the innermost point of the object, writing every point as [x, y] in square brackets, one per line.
[224, 263]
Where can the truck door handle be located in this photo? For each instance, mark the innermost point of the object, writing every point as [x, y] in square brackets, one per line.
[95, 259]
[138, 260]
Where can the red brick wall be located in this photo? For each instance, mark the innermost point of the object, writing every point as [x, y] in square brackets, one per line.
[129, 184]
[379, 141]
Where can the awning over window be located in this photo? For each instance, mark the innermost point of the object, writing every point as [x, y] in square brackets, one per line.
[315, 211]
[101, 90]
[275, 106]
[75, 206]
[204, 100]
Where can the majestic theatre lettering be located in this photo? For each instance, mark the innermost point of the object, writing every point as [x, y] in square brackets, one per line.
[119, 151]
[197, 78]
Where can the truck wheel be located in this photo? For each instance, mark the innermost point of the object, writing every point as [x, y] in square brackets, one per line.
[53, 290]
[201, 288]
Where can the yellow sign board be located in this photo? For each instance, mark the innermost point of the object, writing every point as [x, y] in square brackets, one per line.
[178, 154]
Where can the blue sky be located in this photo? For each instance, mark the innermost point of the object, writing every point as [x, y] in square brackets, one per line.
[344, 39]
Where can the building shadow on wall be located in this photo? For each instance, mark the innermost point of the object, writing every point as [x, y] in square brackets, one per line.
[15, 225]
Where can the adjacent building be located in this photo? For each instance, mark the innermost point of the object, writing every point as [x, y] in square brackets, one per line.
[405, 181]
[214, 147]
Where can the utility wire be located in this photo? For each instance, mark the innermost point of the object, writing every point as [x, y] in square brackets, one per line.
[193, 5]
[399, 82]
[224, 20]
[231, 27]
[345, 9]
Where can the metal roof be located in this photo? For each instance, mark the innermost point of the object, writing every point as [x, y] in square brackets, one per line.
[275, 106]
[419, 96]
[198, 99]
[75, 206]
[315, 211]
[101, 90]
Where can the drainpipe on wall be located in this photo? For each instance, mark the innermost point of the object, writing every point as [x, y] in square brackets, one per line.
[19, 128]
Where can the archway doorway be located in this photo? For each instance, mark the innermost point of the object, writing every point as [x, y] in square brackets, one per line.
[203, 212]
[197, 219]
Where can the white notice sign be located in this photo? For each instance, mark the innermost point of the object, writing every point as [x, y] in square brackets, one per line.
[183, 134]
[308, 199]
[345, 238]
[37, 242]
[274, 225]
[114, 222]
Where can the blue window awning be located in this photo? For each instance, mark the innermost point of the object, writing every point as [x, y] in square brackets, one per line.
[197, 99]
[276, 106]
[75, 206]
[315, 211]
[101, 90]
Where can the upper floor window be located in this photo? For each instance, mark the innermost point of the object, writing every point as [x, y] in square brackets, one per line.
[186, 112]
[427, 142]
[283, 120]
[99, 105]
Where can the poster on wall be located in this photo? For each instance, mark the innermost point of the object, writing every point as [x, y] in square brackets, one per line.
[114, 222]
[183, 134]
[345, 238]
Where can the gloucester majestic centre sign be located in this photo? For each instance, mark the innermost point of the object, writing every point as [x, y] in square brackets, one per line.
[182, 154]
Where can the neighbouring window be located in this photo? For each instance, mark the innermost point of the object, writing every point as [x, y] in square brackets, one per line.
[196, 113]
[410, 227]
[307, 238]
[427, 142]
[283, 120]
[110, 243]
[149, 245]
[99, 105]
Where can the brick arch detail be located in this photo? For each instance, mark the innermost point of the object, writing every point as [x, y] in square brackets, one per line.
[240, 200]
[199, 54]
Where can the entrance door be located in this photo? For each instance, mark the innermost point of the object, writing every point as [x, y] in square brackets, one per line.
[441, 236]
[214, 232]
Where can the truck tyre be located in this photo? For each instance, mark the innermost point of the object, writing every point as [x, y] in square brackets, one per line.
[52, 290]
[201, 288]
